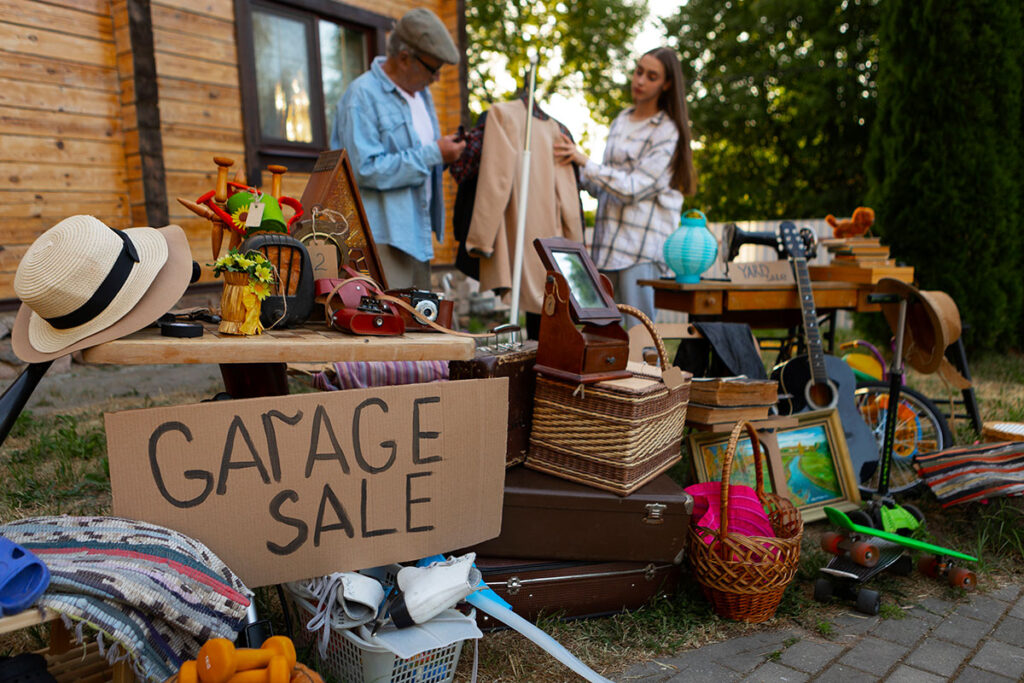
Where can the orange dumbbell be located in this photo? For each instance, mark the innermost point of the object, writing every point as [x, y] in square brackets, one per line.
[278, 671]
[219, 660]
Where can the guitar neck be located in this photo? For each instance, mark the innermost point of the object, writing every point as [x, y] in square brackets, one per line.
[815, 351]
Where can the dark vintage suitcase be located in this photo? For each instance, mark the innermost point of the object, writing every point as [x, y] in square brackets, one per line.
[517, 365]
[545, 516]
[574, 589]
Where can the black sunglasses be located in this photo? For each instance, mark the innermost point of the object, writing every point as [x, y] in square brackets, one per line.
[432, 69]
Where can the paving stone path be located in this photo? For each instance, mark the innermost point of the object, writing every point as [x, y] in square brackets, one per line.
[978, 640]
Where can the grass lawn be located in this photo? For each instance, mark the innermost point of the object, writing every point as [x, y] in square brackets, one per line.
[54, 462]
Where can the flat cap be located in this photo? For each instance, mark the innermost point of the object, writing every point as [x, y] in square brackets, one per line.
[423, 31]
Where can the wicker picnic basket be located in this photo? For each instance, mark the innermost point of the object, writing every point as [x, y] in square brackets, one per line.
[744, 577]
[615, 435]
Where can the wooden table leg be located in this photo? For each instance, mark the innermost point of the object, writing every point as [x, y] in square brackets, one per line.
[250, 380]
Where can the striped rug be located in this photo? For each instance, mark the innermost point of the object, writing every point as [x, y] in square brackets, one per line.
[971, 473]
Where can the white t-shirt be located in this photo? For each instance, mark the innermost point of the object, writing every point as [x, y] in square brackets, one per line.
[421, 124]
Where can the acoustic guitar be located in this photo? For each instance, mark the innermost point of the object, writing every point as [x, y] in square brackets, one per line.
[817, 381]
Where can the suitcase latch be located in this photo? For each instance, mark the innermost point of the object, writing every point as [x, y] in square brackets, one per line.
[513, 585]
[655, 513]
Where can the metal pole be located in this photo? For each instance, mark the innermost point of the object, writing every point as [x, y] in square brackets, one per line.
[524, 189]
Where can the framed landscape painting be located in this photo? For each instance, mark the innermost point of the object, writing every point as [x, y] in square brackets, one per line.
[708, 451]
[816, 465]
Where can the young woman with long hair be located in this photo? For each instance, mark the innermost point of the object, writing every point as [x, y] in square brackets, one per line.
[647, 168]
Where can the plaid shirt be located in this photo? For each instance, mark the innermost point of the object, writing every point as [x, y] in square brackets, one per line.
[637, 209]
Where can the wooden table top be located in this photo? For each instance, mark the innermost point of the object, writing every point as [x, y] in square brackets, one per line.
[726, 300]
[308, 344]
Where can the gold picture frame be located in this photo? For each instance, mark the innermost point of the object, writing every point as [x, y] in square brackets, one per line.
[808, 463]
[815, 464]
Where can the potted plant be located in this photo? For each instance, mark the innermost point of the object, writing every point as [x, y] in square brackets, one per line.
[248, 278]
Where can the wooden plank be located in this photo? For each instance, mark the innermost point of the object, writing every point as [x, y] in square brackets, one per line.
[58, 150]
[37, 69]
[170, 42]
[60, 98]
[192, 91]
[183, 21]
[91, 6]
[62, 176]
[30, 122]
[19, 231]
[56, 18]
[222, 9]
[302, 345]
[39, 41]
[30, 617]
[220, 142]
[196, 69]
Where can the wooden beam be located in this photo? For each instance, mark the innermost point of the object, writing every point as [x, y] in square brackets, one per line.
[147, 99]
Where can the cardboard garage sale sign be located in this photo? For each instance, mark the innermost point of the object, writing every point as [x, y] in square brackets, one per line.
[288, 487]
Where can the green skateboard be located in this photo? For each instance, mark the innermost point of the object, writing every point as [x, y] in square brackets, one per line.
[938, 561]
[854, 562]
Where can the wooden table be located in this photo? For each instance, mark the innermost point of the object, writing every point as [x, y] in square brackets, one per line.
[760, 305]
[255, 366]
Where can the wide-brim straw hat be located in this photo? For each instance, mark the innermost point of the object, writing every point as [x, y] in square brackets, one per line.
[932, 323]
[80, 285]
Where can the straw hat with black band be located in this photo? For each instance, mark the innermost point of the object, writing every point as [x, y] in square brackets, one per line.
[932, 324]
[83, 283]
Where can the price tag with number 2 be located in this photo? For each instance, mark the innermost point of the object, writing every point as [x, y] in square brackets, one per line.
[323, 256]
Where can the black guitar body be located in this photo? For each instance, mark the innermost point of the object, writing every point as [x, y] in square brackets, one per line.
[795, 380]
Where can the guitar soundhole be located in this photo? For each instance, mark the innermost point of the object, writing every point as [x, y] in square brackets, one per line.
[821, 395]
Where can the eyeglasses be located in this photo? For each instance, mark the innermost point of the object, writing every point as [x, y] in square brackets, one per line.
[432, 69]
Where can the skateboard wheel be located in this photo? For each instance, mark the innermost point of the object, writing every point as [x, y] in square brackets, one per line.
[864, 554]
[830, 542]
[961, 577]
[928, 565]
[868, 601]
[822, 590]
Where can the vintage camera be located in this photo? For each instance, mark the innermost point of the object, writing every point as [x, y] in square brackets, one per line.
[428, 304]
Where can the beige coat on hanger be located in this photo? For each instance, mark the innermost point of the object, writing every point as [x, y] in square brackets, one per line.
[552, 210]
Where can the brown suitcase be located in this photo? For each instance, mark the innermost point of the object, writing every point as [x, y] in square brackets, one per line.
[517, 365]
[574, 589]
[545, 516]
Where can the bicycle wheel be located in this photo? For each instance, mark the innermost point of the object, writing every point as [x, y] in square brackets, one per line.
[920, 428]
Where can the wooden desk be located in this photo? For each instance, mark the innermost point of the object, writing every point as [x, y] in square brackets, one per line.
[775, 305]
[255, 366]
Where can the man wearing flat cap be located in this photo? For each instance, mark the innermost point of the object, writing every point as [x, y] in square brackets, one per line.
[386, 121]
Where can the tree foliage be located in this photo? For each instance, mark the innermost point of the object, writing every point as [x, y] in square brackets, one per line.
[945, 155]
[781, 100]
[582, 47]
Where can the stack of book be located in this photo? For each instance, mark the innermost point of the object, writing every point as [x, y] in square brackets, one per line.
[717, 400]
[859, 259]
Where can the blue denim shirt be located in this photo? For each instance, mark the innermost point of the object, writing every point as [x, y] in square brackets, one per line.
[391, 165]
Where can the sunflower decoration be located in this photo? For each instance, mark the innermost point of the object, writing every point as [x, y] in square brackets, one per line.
[260, 280]
[239, 216]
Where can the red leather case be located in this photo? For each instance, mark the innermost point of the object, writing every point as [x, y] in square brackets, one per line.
[356, 321]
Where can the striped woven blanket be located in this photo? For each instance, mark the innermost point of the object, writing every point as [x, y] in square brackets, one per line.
[383, 373]
[153, 595]
[970, 473]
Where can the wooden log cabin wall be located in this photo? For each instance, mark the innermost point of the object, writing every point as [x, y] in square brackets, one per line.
[116, 107]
